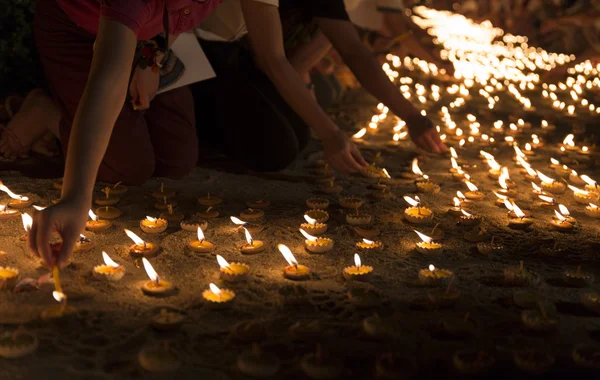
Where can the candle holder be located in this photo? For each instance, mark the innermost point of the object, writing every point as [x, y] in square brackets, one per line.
[374, 327]
[473, 362]
[358, 220]
[391, 366]
[592, 211]
[433, 276]
[364, 298]
[193, 225]
[251, 247]
[164, 205]
[470, 220]
[591, 300]
[259, 364]
[317, 203]
[578, 278]
[153, 225]
[488, 249]
[109, 199]
[358, 272]
[171, 215]
[20, 203]
[314, 228]
[311, 330]
[252, 214]
[367, 231]
[83, 245]
[8, 277]
[318, 245]
[521, 223]
[159, 358]
[477, 235]
[163, 192]
[167, 320]
[351, 202]
[218, 297]
[97, 225]
[563, 171]
[210, 200]
[381, 194]
[553, 187]
[331, 188]
[369, 245]
[320, 216]
[258, 204]
[427, 246]
[17, 344]
[418, 215]
[427, 187]
[443, 298]
[249, 331]
[209, 213]
[118, 189]
[234, 272]
[108, 212]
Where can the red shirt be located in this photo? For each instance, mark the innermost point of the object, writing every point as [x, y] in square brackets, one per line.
[144, 17]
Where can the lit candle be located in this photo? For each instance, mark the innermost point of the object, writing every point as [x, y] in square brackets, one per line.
[232, 272]
[217, 296]
[473, 194]
[293, 271]
[564, 211]
[96, 225]
[591, 184]
[358, 272]
[321, 216]
[505, 189]
[58, 311]
[469, 220]
[209, 200]
[415, 172]
[560, 223]
[27, 223]
[550, 185]
[156, 287]
[317, 245]
[521, 222]
[584, 151]
[427, 245]
[547, 202]
[427, 186]
[110, 271]
[456, 211]
[201, 245]
[367, 244]
[582, 196]
[433, 276]
[509, 204]
[313, 227]
[17, 201]
[8, 213]
[140, 247]
[152, 225]
[592, 211]
[454, 155]
[358, 219]
[500, 202]
[416, 213]
[83, 244]
[252, 227]
[359, 135]
[252, 246]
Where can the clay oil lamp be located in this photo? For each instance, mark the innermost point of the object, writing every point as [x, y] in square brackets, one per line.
[551, 185]
[358, 219]
[574, 177]
[559, 223]
[593, 211]
[83, 244]
[473, 194]
[415, 173]
[61, 298]
[8, 213]
[368, 245]
[586, 356]
[252, 246]
[495, 169]
[584, 151]
[489, 248]
[505, 188]
[210, 200]
[564, 211]
[469, 220]
[538, 321]
[232, 272]
[293, 271]
[583, 197]
[518, 276]
[95, 224]
[163, 192]
[109, 198]
[209, 213]
[454, 167]
[547, 202]
[167, 320]
[528, 151]
[201, 245]
[520, 222]
[252, 214]
[118, 189]
[140, 247]
[533, 361]
[501, 201]
[17, 201]
[563, 171]
[351, 202]
[427, 246]
[358, 136]
[164, 204]
[171, 215]
[320, 366]
[510, 206]
[427, 186]
[156, 287]
[358, 272]
[530, 173]
[578, 278]
[433, 276]
[317, 245]
[321, 216]
[218, 297]
[17, 344]
[387, 178]
[252, 227]
[569, 142]
[110, 271]
[152, 225]
[416, 213]
[27, 224]
[444, 298]
[455, 210]
[591, 300]
[313, 227]
[519, 155]
[591, 185]
[108, 212]
[317, 203]
[554, 163]
[331, 187]
[193, 225]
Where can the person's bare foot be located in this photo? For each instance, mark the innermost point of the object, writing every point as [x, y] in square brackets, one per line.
[36, 116]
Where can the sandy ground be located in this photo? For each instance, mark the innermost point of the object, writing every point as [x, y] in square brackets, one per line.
[110, 325]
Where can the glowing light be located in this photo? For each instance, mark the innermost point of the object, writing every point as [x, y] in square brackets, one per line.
[222, 262]
[416, 202]
[415, 167]
[136, 239]
[150, 270]
[287, 254]
[215, 289]
[308, 236]
[564, 210]
[360, 134]
[357, 261]
[248, 237]
[240, 222]
[108, 261]
[93, 216]
[424, 237]
[27, 221]
[471, 186]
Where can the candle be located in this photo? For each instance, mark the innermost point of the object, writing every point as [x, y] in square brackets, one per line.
[387, 178]
[416, 213]
[109, 199]
[501, 201]
[193, 225]
[232, 272]
[110, 271]
[253, 228]
[201, 245]
[252, 214]
[163, 192]
[473, 194]
[554, 163]
[216, 296]
[8, 277]
[17, 201]
[83, 244]
[165, 203]
[152, 225]
[167, 320]
[433, 276]
[469, 220]
[415, 172]
[368, 232]
[108, 212]
[96, 225]
[317, 203]
[209, 213]
[582, 196]
[27, 223]
[566, 214]
[427, 245]
[317, 245]
[209, 200]
[156, 287]
[574, 177]
[140, 247]
[321, 216]
[489, 248]
[293, 271]
[367, 244]
[331, 188]
[18, 344]
[454, 167]
[8, 213]
[591, 184]
[358, 220]
[538, 321]
[118, 189]
[518, 276]
[592, 211]
[258, 204]
[456, 210]
[172, 215]
[358, 272]
[547, 202]
[252, 246]
[530, 174]
[578, 278]
[313, 227]
[520, 222]
[550, 185]
[381, 194]
[427, 186]
[495, 169]
[503, 181]
[563, 171]
[560, 223]
[351, 202]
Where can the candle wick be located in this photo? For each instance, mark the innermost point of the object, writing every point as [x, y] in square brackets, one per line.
[157, 280]
[144, 246]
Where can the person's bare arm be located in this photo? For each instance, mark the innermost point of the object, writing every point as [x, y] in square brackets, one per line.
[307, 55]
[368, 71]
[266, 39]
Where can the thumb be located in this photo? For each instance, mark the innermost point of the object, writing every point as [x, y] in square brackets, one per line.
[69, 237]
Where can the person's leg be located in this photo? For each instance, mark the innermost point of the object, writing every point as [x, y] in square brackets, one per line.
[172, 128]
[66, 54]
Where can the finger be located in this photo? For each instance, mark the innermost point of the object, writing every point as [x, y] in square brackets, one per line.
[432, 146]
[351, 162]
[440, 144]
[42, 238]
[339, 164]
[31, 243]
[358, 156]
[69, 238]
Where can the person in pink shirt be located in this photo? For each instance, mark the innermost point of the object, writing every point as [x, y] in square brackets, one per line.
[102, 60]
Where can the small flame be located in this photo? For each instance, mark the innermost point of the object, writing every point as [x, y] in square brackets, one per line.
[93, 216]
[151, 219]
[564, 210]
[413, 202]
[588, 180]
[222, 262]
[486, 155]
[201, 237]
[424, 237]
[545, 178]
[248, 236]
[310, 220]
[11, 194]
[367, 241]
[454, 163]
[546, 198]
[59, 296]
[240, 222]
[385, 172]
[150, 270]
[456, 202]
[574, 173]
[460, 195]
[360, 134]
[27, 221]
[415, 167]
[493, 164]
[579, 191]
[517, 211]
[108, 261]
[569, 139]
[308, 236]
[466, 214]
[461, 142]
[593, 206]
[396, 137]
[554, 161]
[136, 239]
[502, 181]
[530, 171]
[453, 153]
[559, 216]
[536, 187]
[215, 289]
[357, 260]
[431, 268]
[471, 186]
[518, 151]
[287, 254]
[528, 147]
[500, 196]
[39, 208]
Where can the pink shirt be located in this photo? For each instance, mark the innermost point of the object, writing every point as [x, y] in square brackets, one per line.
[143, 17]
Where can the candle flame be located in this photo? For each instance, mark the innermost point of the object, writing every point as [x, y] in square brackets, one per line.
[453, 153]
[563, 210]
[415, 167]
[151, 219]
[502, 181]
[530, 171]
[201, 237]
[396, 137]
[554, 161]
[493, 164]
[585, 149]
[500, 196]
[471, 186]
[11, 194]
[39, 208]
[545, 178]
[424, 237]
[466, 214]
[518, 151]
[385, 172]
[287, 254]
[310, 220]
[508, 205]
[559, 216]
[222, 262]
[150, 270]
[460, 195]
[536, 187]
[431, 268]
[579, 191]
[360, 133]
[528, 147]
[517, 211]
[248, 236]
[357, 261]
[136, 239]
[456, 202]
[108, 261]
[59, 296]
[462, 141]
[593, 206]
[367, 241]
[27, 221]
[588, 180]
[215, 289]
[486, 155]
[569, 139]
[454, 163]
[238, 221]
[93, 216]
[546, 198]
[413, 202]
[308, 236]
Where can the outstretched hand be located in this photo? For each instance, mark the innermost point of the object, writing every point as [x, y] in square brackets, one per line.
[343, 154]
[424, 135]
